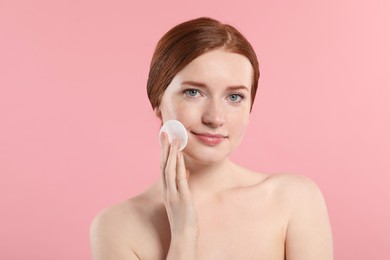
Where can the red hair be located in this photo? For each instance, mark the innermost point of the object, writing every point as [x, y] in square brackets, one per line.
[188, 40]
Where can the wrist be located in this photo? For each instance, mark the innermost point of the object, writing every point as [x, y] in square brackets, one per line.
[185, 236]
[188, 233]
[183, 246]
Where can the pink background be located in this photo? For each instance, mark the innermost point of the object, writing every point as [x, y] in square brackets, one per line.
[77, 133]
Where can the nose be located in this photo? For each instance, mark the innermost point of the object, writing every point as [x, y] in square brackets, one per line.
[214, 115]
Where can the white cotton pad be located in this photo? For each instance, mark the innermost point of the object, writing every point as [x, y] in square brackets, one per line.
[175, 130]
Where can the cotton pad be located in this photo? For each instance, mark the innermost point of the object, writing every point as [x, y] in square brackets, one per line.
[175, 130]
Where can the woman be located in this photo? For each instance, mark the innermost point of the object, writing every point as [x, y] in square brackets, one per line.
[205, 74]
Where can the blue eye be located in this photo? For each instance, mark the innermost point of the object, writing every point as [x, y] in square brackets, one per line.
[191, 92]
[235, 97]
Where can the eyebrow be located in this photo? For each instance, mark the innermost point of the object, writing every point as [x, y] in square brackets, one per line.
[203, 85]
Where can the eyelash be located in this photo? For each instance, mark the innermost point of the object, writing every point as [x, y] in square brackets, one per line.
[242, 97]
[190, 89]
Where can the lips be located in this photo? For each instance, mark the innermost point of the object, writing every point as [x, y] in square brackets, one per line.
[209, 139]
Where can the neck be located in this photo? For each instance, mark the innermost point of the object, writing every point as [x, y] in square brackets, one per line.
[210, 179]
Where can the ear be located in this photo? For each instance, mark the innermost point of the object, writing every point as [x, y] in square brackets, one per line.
[157, 112]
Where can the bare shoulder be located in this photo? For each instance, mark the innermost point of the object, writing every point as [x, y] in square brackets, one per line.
[109, 233]
[282, 183]
[309, 234]
[118, 215]
[294, 186]
[114, 229]
[288, 190]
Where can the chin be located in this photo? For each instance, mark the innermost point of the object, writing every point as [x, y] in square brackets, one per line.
[207, 155]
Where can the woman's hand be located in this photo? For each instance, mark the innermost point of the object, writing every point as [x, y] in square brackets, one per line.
[180, 207]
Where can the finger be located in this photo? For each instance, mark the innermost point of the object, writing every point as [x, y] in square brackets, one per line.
[181, 180]
[170, 168]
[164, 156]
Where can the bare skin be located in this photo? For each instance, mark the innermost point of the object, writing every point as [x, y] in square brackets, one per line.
[232, 224]
[204, 206]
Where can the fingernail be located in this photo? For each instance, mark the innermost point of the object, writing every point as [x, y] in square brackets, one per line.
[177, 143]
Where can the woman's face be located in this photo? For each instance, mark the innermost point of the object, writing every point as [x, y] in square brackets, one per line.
[211, 96]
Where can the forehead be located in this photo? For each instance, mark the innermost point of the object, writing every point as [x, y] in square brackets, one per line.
[218, 67]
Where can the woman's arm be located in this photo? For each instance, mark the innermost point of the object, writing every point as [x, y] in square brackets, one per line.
[111, 234]
[179, 204]
[309, 234]
[107, 239]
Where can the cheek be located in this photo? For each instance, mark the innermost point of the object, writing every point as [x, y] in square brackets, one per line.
[186, 113]
[239, 124]
[170, 109]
